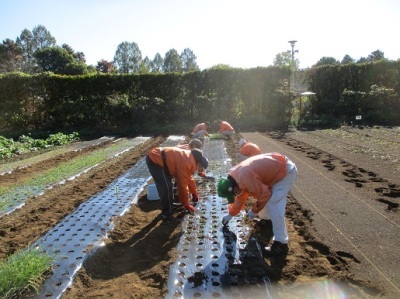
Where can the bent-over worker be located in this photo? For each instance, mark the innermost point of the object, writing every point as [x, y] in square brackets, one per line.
[247, 150]
[165, 163]
[268, 178]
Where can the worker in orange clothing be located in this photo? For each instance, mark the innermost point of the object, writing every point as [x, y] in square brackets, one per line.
[194, 143]
[225, 128]
[247, 150]
[200, 130]
[165, 163]
[268, 178]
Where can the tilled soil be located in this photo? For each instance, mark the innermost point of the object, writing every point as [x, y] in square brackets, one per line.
[140, 250]
[39, 214]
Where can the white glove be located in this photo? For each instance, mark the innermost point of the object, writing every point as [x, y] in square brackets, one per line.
[251, 215]
[226, 219]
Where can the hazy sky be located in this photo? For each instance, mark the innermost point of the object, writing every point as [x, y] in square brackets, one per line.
[247, 33]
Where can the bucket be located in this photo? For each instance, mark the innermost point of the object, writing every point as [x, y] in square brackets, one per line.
[152, 193]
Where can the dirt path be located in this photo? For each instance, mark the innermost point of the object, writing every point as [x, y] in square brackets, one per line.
[354, 218]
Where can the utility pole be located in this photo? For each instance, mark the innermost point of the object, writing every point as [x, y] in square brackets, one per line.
[292, 43]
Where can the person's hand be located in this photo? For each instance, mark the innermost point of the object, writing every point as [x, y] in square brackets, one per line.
[195, 197]
[190, 208]
[226, 219]
[251, 214]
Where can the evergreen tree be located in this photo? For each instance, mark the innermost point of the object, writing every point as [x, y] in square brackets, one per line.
[172, 62]
[128, 57]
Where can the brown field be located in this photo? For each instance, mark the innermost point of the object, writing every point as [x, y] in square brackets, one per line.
[342, 217]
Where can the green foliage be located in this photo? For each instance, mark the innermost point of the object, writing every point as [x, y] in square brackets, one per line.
[347, 59]
[284, 59]
[103, 101]
[157, 64]
[10, 56]
[25, 144]
[188, 61]
[23, 271]
[59, 61]
[371, 90]
[31, 42]
[319, 121]
[128, 57]
[327, 61]
[172, 62]
[376, 56]
[221, 66]
[7, 148]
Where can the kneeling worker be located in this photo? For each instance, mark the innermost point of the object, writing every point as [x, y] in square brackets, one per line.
[200, 130]
[225, 129]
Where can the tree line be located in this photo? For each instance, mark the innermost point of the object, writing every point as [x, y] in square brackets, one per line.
[145, 103]
[148, 93]
[36, 51]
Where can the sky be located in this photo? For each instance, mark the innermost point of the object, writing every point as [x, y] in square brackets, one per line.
[243, 34]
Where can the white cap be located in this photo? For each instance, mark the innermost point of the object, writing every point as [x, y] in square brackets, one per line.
[241, 142]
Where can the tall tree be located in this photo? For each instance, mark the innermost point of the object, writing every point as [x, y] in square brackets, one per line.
[59, 61]
[147, 63]
[189, 61]
[79, 56]
[376, 56]
[362, 60]
[68, 48]
[143, 67]
[285, 59]
[172, 62]
[157, 64]
[10, 56]
[347, 59]
[42, 38]
[30, 42]
[26, 43]
[327, 61]
[105, 66]
[128, 57]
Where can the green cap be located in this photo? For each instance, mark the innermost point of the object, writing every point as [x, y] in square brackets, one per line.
[225, 189]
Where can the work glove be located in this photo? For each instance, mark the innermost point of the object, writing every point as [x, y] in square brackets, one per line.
[195, 197]
[251, 214]
[226, 219]
[190, 208]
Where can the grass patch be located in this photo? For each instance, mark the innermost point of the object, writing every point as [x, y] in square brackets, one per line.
[17, 194]
[216, 136]
[23, 272]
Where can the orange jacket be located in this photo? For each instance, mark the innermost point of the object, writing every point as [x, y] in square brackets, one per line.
[255, 176]
[181, 165]
[192, 183]
[200, 127]
[225, 126]
[250, 149]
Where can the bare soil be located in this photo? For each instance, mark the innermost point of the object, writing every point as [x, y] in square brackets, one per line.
[140, 250]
